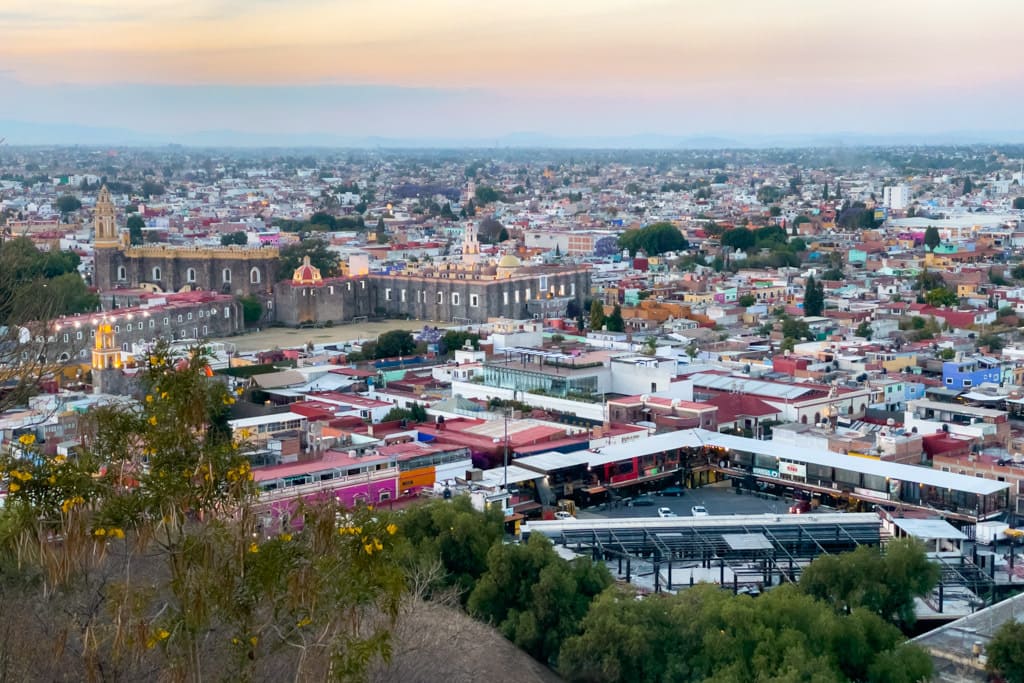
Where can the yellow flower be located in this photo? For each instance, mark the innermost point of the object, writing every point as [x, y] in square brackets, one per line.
[254, 548]
[51, 480]
[235, 641]
[115, 532]
[150, 643]
[152, 420]
[149, 398]
[391, 529]
[100, 532]
[239, 391]
[27, 439]
[368, 548]
[60, 459]
[304, 621]
[163, 634]
[13, 488]
[286, 537]
[153, 360]
[253, 641]
[378, 545]
[163, 394]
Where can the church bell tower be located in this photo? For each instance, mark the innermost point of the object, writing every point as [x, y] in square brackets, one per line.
[104, 221]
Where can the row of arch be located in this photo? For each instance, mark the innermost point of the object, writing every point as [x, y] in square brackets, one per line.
[255, 276]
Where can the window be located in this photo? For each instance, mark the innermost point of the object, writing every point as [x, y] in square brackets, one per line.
[440, 297]
[190, 315]
[226, 275]
[403, 296]
[128, 327]
[206, 330]
[572, 289]
[455, 298]
[227, 312]
[66, 338]
[527, 293]
[474, 300]
[78, 335]
[190, 275]
[330, 290]
[949, 380]
[156, 273]
[387, 294]
[122, 273]
[504, 297]
[517, 296]
[167, 321]
[967, 382]
[117, 329]
[254, 276]
[179, 317]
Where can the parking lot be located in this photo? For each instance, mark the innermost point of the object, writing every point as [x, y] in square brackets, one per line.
[718, 501]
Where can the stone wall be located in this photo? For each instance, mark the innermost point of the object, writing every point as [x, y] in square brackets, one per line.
[229, 270]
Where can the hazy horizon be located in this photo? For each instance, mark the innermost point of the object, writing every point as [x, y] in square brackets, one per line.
[260, 72]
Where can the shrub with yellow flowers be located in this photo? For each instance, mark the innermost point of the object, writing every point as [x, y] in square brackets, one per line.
[153, 540]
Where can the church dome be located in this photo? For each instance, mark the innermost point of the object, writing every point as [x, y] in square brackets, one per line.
[509, 261]
[306, 274]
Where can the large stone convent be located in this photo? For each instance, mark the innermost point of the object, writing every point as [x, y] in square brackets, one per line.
[165, 268]
[471, 290]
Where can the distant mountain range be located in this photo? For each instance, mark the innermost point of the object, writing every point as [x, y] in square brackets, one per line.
[29, 133]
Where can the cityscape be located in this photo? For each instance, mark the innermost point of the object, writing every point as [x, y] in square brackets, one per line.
[401, 359]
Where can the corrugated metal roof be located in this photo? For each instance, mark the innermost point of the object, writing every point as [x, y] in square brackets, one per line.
[749, 386]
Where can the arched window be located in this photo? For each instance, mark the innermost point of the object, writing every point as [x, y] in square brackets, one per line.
[156, 273]
[254, 276]
[190, 275]
[122, 273]
[226, 275]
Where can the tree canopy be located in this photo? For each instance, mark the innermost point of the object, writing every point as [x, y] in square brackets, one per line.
[656, 238]
[1006, 652]
[395, 343]
[135, 225]
[239, 238]
[932, 238]
[814, 297]
[597, 319]
[319, 256]
[68, 203]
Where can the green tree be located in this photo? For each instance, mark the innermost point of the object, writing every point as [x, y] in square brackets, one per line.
[747, 300]
[597, 316]
[534, 597]
[487, 195]
[456, 339]
[932, 238]
[319, 256]
[70, 295]
[252, 309]
[135, 225]
[455, 534]
[886, 585]
[941, 296]
[239, 238]
[864, 330]
[152, 188]
[795, 328]
[654, 239]
[814, 297]
[738, 238]
[395, 343]
[68, 204]
[615, 323]
[968, 185]
[1006, 652]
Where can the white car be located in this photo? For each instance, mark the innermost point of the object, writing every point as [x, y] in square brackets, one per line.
[666, 512]
[562, 514]
[699, 511]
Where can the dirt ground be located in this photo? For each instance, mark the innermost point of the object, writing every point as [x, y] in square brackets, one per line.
[287, 338]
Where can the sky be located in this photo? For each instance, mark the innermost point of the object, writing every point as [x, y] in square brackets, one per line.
[278, 70]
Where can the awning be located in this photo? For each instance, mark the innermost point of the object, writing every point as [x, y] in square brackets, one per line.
[640, 480]
[594, 490]
[527, 506]
[514, 517]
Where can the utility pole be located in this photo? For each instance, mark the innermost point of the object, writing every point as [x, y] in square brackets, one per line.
[506, 412]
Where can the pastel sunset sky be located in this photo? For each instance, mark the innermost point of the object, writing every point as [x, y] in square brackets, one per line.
[440, 68]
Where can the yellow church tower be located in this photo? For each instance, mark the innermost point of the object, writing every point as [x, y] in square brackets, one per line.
[104, 221]
[105, 355]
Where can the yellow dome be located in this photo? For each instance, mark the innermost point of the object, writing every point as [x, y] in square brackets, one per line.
[306, 274]
[509, 261]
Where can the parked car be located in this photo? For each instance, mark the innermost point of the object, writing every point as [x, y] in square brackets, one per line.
[666, 512]
[800, 507]
[674, 491]
[562, 514]
[643, 500]
[699, 511]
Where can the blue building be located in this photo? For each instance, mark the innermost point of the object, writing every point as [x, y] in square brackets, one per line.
[964, 374]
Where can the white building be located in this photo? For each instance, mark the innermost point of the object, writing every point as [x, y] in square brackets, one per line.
[896, 197]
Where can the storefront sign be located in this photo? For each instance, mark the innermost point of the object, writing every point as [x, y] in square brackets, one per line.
[871, 494]
[765, 472]
[793, 469]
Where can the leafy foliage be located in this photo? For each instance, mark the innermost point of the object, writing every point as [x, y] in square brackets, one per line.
[535, 597]
[319, 256]
[706, 634]
[394, 343]
[654, 239]
[68, 203]
[239, 238]
[135, 225]
[596, 315]
[163, 563]
[1006, 652]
